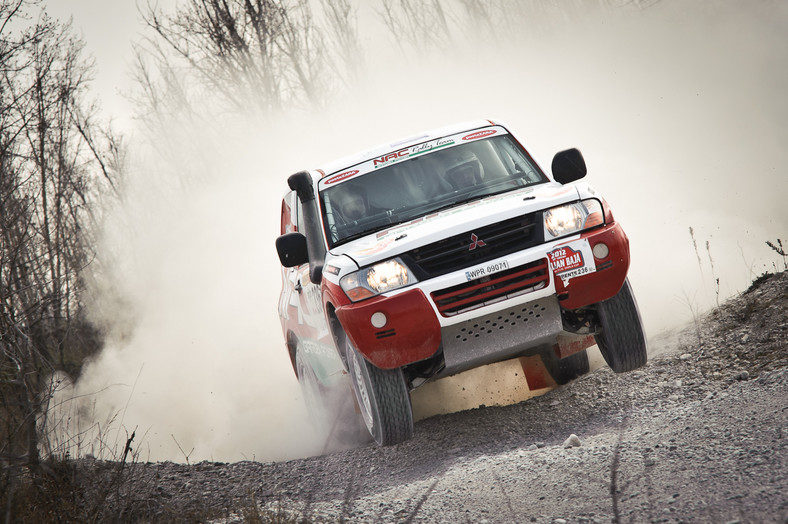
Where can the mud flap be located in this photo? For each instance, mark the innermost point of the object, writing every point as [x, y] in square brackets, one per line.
[536, 373]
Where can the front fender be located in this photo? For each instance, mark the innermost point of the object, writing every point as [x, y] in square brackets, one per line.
[411, 333]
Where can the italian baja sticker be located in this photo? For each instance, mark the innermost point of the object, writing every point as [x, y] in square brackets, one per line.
[572, 260]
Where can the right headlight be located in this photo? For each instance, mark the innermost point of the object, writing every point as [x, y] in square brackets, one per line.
[569, 219]
[374, 280]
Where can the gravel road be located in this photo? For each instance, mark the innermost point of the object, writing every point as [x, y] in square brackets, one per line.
[698, 435]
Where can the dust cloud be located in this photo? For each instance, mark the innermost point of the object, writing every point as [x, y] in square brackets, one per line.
[679, 110]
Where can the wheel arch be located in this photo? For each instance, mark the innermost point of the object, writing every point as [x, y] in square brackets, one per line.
[292, 344]
[337, 332]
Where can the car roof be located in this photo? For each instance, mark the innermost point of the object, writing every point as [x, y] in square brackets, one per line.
[382, 149]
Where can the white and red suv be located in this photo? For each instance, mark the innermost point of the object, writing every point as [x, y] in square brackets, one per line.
[440, 253]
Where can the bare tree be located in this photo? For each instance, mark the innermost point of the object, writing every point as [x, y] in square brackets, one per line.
[55, 166]
[345, 45]
[422, 24]
[245, 55]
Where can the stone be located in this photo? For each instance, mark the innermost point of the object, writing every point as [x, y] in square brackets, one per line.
[744, 375]
[572, 442]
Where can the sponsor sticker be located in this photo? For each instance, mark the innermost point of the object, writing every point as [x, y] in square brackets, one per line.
[411, 152]
[399, 155]
[572, 260]
[389, 158]
[480, 134]
[376, 248]
[342, 176]
[484, 270]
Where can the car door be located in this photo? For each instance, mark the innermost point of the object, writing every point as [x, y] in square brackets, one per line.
[302, 306]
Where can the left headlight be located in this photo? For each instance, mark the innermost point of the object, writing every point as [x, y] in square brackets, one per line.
[374, 280]
[572, 218]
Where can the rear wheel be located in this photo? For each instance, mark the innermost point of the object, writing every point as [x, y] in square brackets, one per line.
[565, 369]
[311, 389]
[621, 340]
[383, 399]
[330, 409]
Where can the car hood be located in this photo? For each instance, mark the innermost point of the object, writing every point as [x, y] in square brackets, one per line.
[431, 228]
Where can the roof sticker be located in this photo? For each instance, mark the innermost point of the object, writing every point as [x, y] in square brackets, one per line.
[342, 176]
[372, 164]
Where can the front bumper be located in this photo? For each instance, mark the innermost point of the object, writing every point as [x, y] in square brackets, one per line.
[418, 321]
[411, 333]
[610, 273]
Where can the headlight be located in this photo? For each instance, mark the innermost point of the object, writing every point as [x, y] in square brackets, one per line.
[572, 218]
[374, 280]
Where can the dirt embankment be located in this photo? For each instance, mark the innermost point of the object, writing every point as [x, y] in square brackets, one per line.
[698, 435]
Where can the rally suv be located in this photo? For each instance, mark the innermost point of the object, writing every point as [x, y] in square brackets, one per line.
[444, 252]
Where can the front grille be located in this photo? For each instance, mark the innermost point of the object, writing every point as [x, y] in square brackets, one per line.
[477, 246]
[488, 290]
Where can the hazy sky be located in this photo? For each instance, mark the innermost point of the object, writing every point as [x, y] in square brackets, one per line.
[680, 111]
[109, 27]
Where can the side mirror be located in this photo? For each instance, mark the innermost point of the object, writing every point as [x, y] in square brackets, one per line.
[291, 248]
[568, 166]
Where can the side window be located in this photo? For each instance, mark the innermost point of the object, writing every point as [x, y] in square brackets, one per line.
[285, 225]
[516, 161]
[299, 215]
[291, 214]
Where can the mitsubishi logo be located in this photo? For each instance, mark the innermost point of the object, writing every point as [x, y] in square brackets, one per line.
[476, 242]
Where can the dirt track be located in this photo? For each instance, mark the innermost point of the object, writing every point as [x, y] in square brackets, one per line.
[698, 435]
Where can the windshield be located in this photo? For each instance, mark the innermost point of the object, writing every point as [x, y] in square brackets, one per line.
[422, 184]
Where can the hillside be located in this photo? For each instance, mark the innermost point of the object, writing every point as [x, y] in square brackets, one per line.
[699, 434]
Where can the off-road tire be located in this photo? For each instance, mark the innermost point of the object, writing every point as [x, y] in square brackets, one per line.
[621, 339]
[331, 409]
[383, 399]
[565, 369]
[310, 389]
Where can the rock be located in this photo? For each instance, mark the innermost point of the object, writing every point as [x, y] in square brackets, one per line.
[572, 442]
[685, 356]
[744, 375]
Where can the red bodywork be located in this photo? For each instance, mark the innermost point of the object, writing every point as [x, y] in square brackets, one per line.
[611, 271]
[412, 331]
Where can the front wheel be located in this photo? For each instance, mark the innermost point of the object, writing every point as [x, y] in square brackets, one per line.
[621, 339]
[383, 399]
